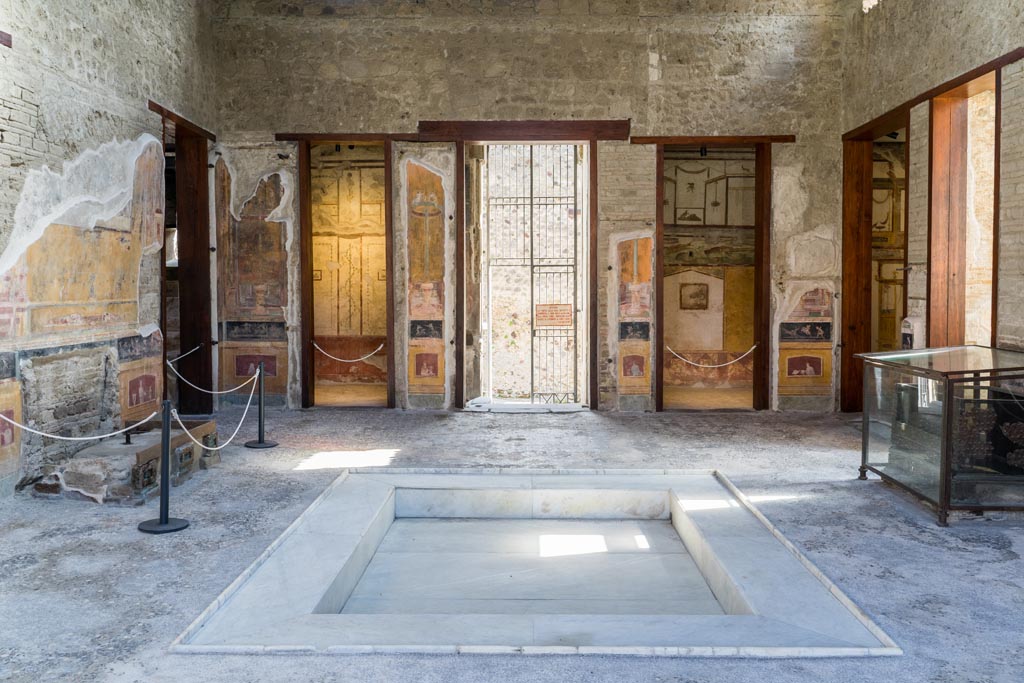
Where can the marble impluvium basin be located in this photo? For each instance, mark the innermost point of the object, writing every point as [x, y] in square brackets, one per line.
[663, 562]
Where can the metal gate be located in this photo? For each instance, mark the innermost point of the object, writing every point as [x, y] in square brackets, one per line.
[533, 219]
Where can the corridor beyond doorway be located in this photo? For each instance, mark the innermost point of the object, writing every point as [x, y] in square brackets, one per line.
[526, 278]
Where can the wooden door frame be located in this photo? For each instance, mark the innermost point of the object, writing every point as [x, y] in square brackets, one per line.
[192, 208]
[851, 397]
[855, 303]
[762, 145]
[304, 142]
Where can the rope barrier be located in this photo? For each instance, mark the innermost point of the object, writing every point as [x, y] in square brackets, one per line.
[208, 391]
[77, 438]
[187, 353]
[342, 360]
[720, 365]
[174, 414]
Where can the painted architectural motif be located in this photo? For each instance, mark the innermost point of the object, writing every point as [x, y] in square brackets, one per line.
[635, 267]
[425, 221]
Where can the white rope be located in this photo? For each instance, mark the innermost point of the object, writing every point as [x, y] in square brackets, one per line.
[342, 360]
[177, 419]
[720, 365]
[77, 438]
[207, 391]
[187, 353]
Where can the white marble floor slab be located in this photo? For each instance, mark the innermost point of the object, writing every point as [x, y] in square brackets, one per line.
[439, 566]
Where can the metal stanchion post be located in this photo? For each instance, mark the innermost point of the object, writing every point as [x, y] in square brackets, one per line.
[165, 524]
[261, 442]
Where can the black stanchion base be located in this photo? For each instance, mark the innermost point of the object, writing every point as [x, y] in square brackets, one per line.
[260, 444]
[153, 526]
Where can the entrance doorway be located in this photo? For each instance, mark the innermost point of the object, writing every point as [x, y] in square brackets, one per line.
[527, 276]
[349, 274]
[708, 270]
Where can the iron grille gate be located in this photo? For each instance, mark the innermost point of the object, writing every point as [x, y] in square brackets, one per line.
[533, 220]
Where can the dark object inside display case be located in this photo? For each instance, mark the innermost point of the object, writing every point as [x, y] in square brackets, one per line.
[947, 425]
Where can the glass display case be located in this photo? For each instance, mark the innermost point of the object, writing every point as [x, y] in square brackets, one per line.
[947, 425]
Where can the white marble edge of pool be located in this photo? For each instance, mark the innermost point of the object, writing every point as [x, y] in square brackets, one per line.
[288, 600]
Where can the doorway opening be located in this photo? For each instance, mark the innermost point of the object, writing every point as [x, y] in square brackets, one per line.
[888, 239]
[350, 274]
[708, 271]
[186, 290]
[527, 255]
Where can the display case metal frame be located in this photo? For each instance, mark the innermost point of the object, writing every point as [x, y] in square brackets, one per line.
[949, 379]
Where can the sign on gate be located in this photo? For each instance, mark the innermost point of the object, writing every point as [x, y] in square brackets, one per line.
[553, 315]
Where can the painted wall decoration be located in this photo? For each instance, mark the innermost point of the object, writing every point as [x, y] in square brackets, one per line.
[255, 331]
[53, 289]
[251, 251]
[694, 310]
[239, 360]
[814, 304]
[805, 346]
[252, 262]
[634, 367]
[10, 406]
[708, 190]
[693, 296]
[734, 375]
[140, 375]
[804, 366]
[246, 364]
[425, 329]
[635, 266]
[634, 331]
[805, 370]
[78, 276]
[805, 331]
[709, 289]
[634, 314]
[425, 220]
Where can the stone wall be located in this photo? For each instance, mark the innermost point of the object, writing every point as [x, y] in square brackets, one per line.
[76, 78]
[704, 68]
[903, 48]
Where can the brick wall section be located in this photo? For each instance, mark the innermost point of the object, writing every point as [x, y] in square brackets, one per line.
[1010, 321]
[917, 218]
[627, 202]
[72, 393]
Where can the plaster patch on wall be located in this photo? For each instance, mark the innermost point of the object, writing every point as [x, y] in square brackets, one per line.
[812, 254]
[94, 187]
[653, 66]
